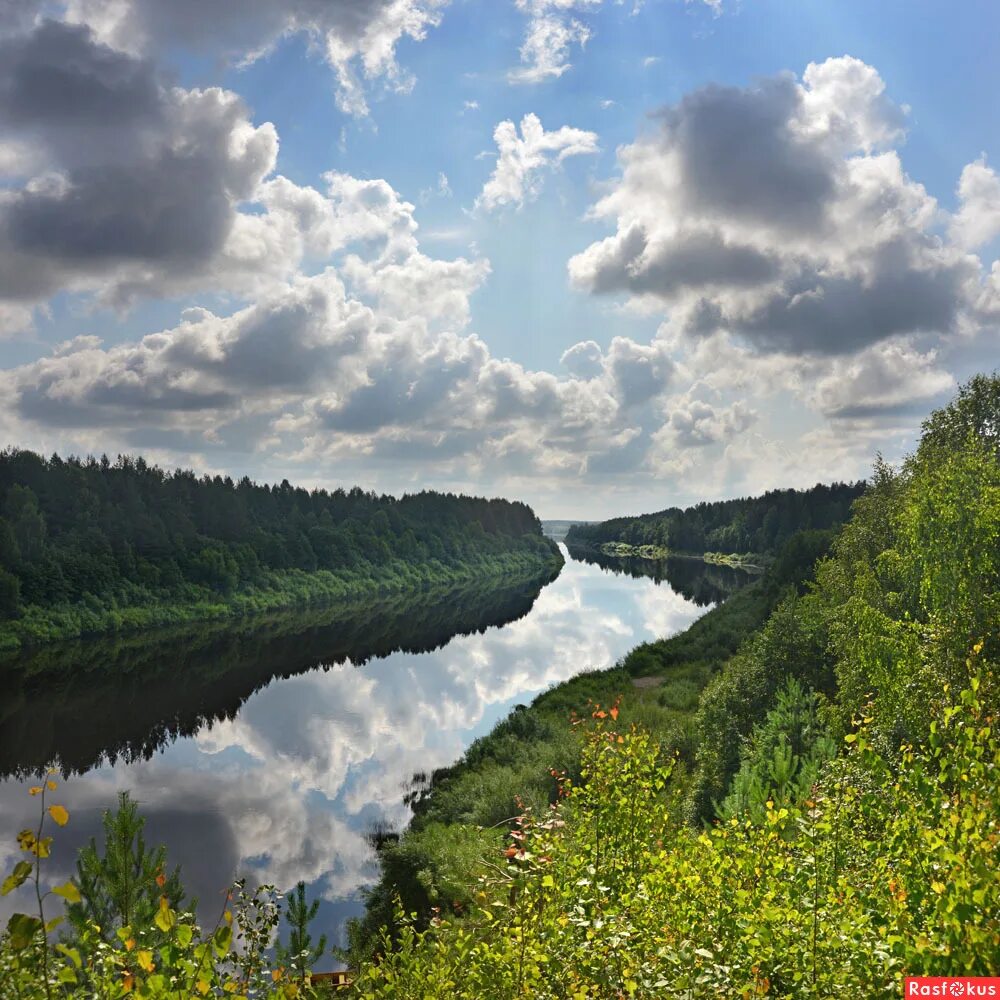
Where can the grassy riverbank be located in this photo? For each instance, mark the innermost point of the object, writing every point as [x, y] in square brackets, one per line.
[134, 608]
[90, 546]
[461, 812]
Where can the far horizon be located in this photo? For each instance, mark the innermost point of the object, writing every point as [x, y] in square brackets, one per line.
[718, 249]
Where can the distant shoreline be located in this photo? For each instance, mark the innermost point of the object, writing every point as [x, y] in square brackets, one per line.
[749, 561]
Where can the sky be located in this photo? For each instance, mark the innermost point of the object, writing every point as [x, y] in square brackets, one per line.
[603, 256]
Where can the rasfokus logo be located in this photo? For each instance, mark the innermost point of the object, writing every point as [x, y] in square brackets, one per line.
[951, 986]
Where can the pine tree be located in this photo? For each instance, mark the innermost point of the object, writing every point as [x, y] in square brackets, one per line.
[299, 955]
[122, 886]
[783, 757]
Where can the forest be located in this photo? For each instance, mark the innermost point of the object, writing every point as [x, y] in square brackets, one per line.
[746, 525]
[796, 797]
[91, 546]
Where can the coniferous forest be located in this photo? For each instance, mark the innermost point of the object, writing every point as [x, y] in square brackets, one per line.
[89, 546]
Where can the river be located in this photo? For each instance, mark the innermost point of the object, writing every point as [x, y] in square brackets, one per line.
[271, 749]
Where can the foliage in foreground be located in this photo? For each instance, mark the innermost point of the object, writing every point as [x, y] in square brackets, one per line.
[860, 867]
[461, 811]
[882, 872]
[146, 945]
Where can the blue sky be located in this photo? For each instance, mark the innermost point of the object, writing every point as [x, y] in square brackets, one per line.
[620, 313]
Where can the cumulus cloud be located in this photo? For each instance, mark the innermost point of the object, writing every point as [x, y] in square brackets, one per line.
[516, 178]
[141, 182]
[695, 423]
[205, 366]
[551, 32]
[328, 378]
[358, 38]
[584, 359]
[884, 379]
[781, 213]
[977, 221]
[773, 226]
[125, 187]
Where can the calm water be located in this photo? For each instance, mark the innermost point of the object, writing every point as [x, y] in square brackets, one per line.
[271, 751]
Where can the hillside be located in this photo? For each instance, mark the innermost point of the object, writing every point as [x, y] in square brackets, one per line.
[94, 546]
[835, 737]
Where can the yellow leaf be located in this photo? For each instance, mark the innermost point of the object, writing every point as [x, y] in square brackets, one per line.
[35, 790]
[145, 960]
[69, 892]
[202, 986]
[59, 814]
[129, 944]
[51, 785]
[165, 917]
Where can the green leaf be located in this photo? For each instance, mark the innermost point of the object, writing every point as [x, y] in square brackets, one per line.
[184, 934]
[22, 930]
[71, 953]
[17, 877]
[221, 940]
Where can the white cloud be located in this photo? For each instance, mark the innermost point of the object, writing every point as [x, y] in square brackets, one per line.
[520, 159]
[779, 213]
[977, 221]
[139, 185]
[884, 379]
[695, 423]
[358, 38]
[801, 274]
[549, 36]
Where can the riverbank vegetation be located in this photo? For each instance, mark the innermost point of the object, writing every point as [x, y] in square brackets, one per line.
[94, 546]
[750, 561]
[794, 798]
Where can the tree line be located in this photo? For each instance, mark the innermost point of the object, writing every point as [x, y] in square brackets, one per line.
[83, 541]
[747, 524]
